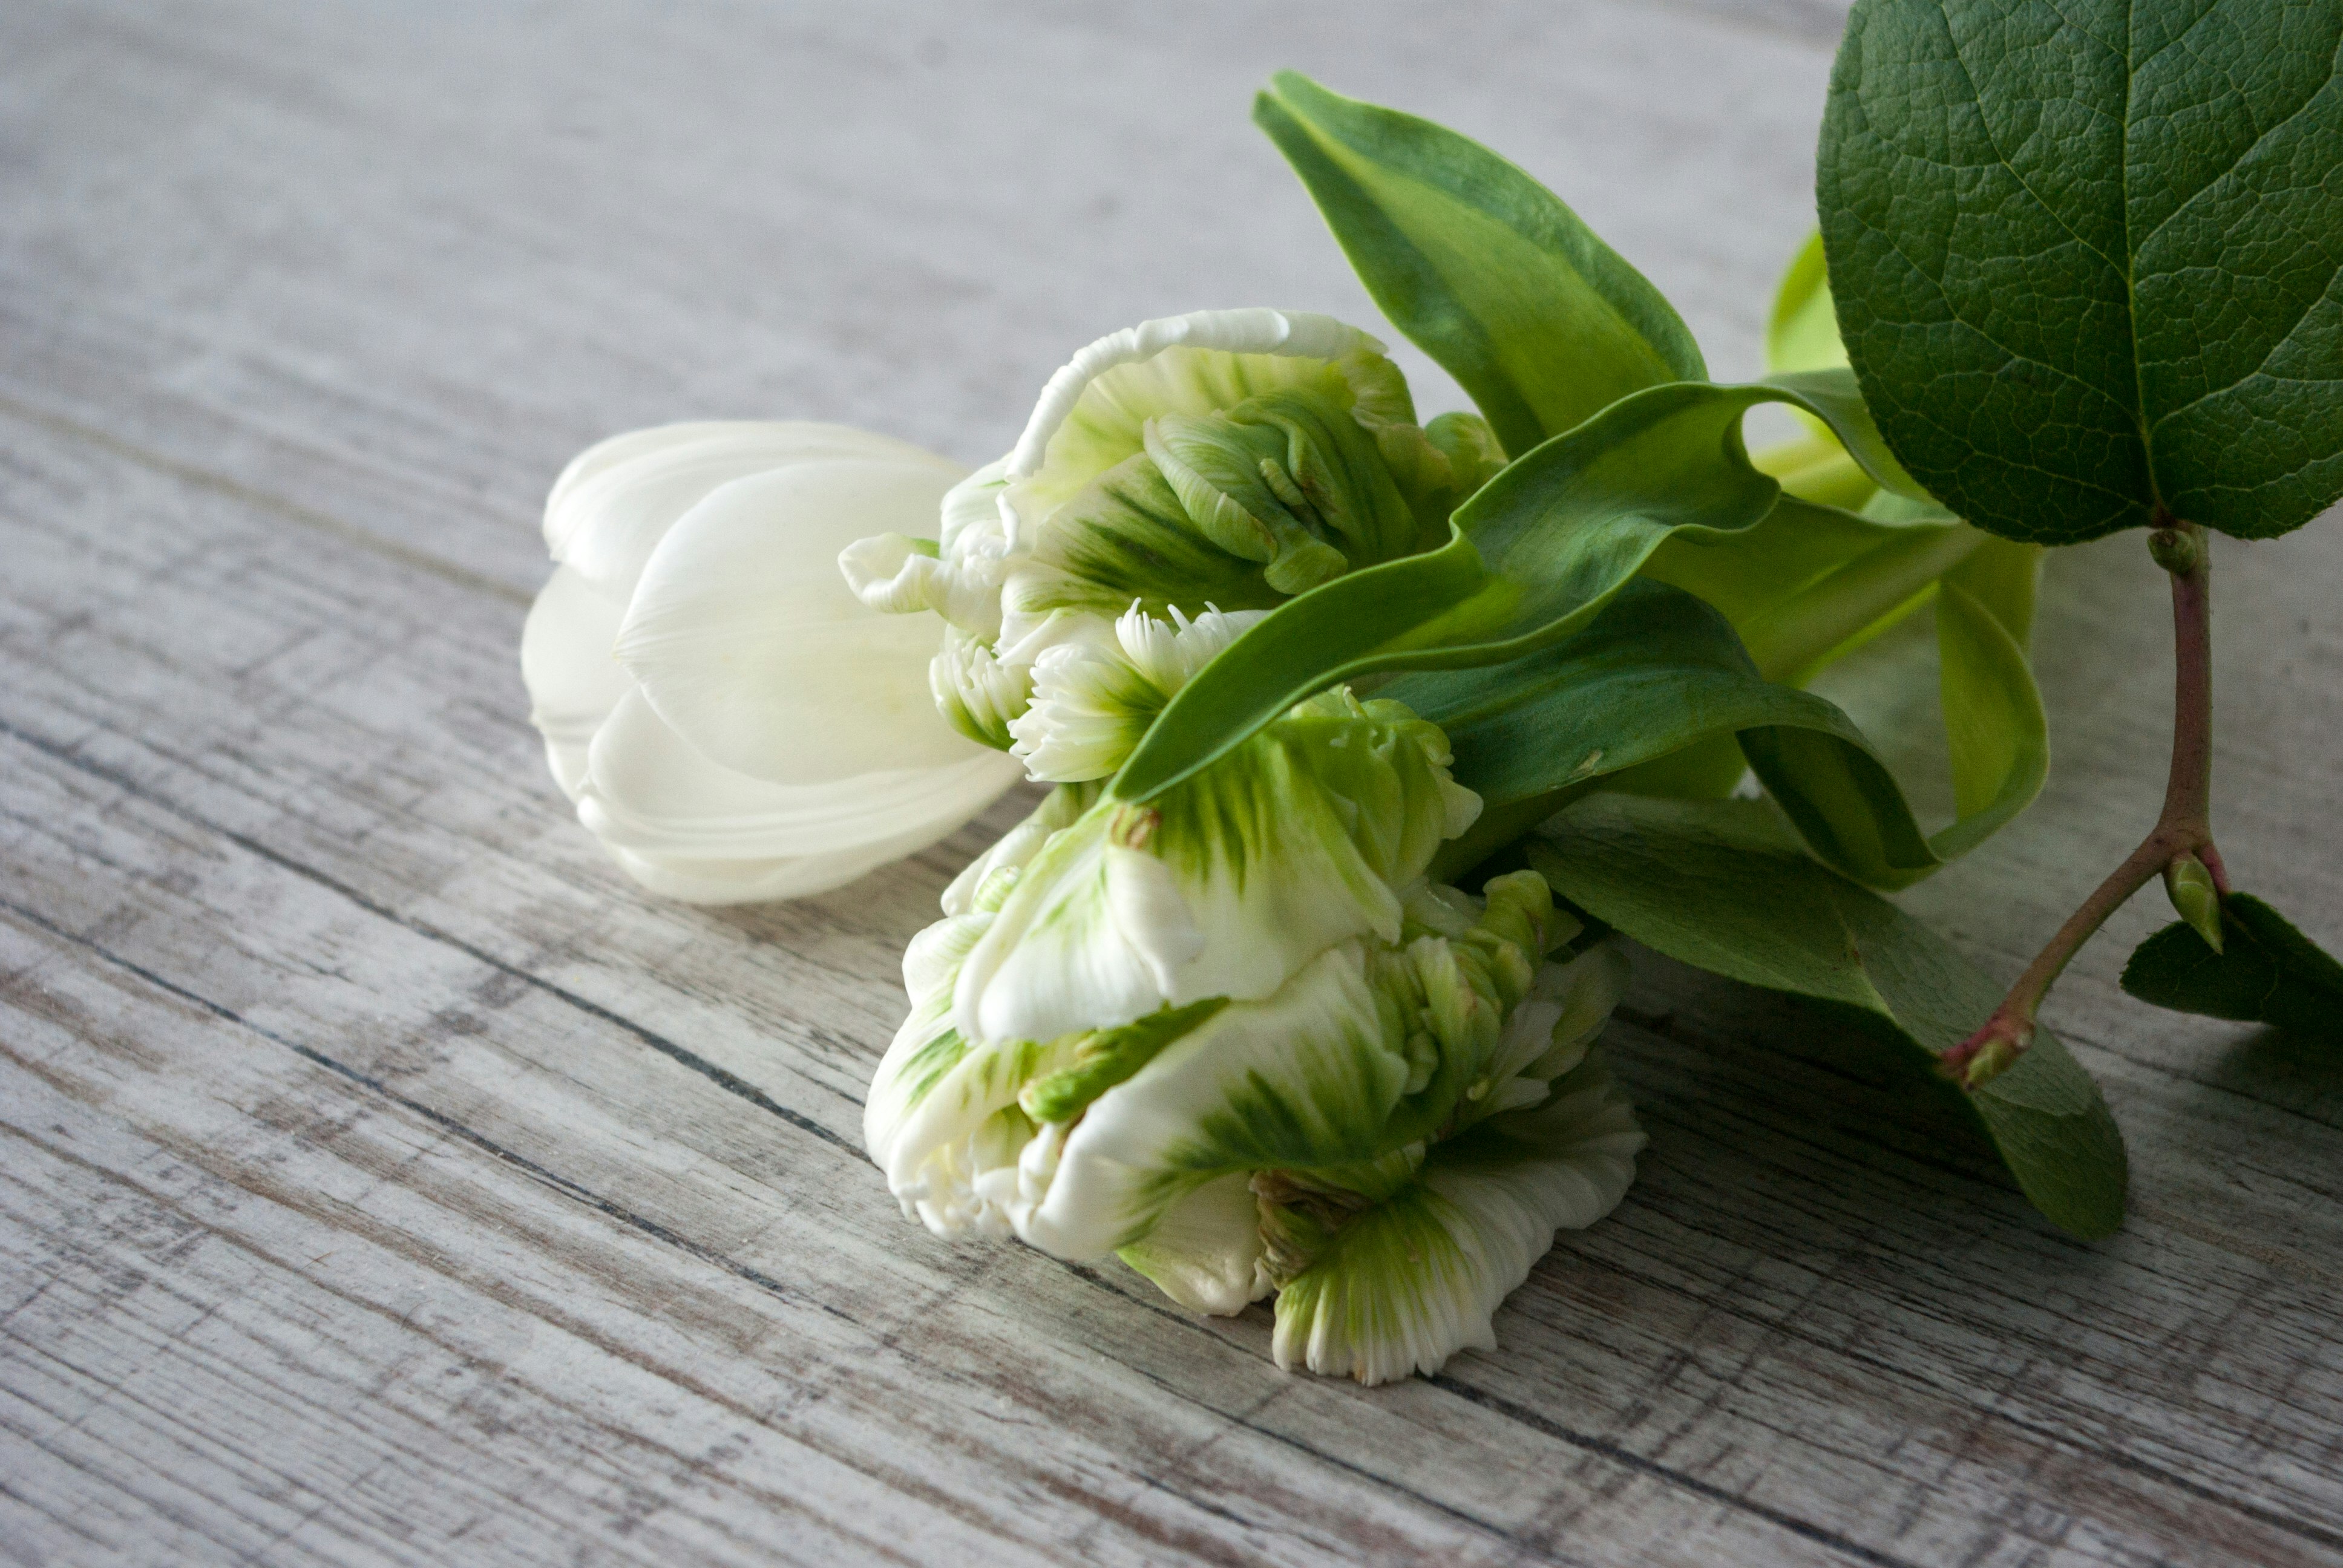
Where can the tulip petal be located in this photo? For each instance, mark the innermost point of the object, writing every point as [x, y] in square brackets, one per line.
[574, 678]
[1307, 1079]
[1093, 412]
[1419, 1277]
[753, 881]
[1224, 885]
[677, 819]
[749, 642]
[616, 500]
[1205, 1252]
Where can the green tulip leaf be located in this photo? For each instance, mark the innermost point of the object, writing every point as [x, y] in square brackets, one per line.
[1539, 552]
[2265, 972]
[1803, 332]
[2086, 256]
[1659, 674]
[1485, 269]
[1716, 884]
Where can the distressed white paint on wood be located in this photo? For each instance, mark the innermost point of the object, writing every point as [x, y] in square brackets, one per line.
[383, 1180]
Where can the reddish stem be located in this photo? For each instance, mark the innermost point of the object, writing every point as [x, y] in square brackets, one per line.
[2184, 827]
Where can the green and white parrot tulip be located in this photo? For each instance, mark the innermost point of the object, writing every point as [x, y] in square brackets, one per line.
[1177, 480]
[1235, 1036]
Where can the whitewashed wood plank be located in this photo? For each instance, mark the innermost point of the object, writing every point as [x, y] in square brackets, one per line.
[311, 312]
[1034, 1416]
[2011, 1243]
[896, 215]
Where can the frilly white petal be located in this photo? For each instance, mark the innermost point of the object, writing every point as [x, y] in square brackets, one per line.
[1226, 885]
[970, 513]
[746, 642]
[1286, 333]
[1419, 1277]
[979, 693]
[1310, 1063]
[1093, 700]
[616, 499]
[1094, 412]
[573, 677]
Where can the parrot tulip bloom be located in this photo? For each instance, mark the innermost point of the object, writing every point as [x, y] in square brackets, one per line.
[1176, 481]
[731, 721]
[1234, 1035]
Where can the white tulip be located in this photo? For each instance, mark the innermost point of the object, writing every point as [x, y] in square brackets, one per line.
[732, 721]
[1177, 480]
[1235, 1036]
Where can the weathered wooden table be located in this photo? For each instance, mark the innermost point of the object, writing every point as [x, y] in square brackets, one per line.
[387, 1181]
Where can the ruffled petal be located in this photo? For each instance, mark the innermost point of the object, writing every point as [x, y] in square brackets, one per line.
[1093, 700]
[747, 641]
[1093, 412]
[574, 678]
[1418, 1277]
[1307, 1078]
[1225, 884]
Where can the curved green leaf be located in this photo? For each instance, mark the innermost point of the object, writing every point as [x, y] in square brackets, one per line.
[1658, 674]
[1536, 554]
[1482, 266]
[1716, 884]
[2086, 256]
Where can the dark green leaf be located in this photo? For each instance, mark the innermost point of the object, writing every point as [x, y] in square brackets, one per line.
[2265, 972]
[2086, 256]
[1717, 885]
[1483, 267]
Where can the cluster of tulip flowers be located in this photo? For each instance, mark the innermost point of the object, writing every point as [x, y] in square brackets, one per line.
[1367, 740]
[1236, 1036]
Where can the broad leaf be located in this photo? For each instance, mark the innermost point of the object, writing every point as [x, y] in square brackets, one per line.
[1482, 266]
[1716, 884]
[2086, 256]
[2265, 972]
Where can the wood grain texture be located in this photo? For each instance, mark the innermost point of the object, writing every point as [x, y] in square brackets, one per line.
[384, 1179]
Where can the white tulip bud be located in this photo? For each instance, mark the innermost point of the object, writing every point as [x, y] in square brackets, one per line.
[734, 724]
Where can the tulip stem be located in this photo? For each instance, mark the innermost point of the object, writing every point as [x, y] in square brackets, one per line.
[2185, 827]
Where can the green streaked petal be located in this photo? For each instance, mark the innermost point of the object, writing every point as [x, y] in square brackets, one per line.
[1224, 886]
[1205, 1252]
[1418, 1277]
[1308, 1077]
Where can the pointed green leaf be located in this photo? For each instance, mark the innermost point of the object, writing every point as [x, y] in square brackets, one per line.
[2086, 256]
[1536, 554]
[1658, 673]
[1482, 266]
[1716, 884]
[2265, 972]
